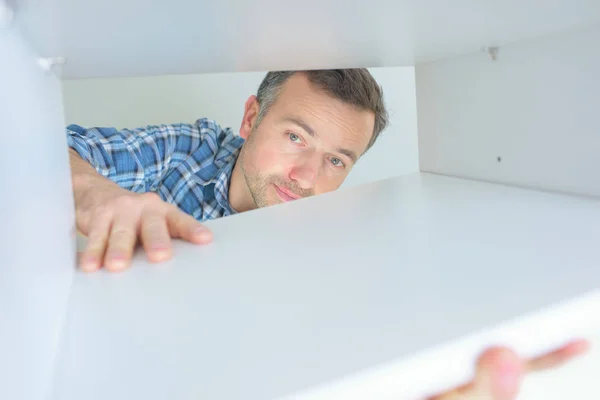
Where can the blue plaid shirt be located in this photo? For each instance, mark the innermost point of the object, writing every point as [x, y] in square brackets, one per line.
[188, 165]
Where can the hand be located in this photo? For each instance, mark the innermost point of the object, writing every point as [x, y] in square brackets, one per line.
[500, 372]
[114, 219]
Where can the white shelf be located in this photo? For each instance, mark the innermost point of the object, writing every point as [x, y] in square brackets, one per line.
[398, 284]
[102, 38]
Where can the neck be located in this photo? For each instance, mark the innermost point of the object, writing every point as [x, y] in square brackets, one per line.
[240, 198]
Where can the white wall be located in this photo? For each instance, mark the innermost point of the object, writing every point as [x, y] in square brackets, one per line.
[132, 102]
[37, 228]
[397, 150]
[536, 107]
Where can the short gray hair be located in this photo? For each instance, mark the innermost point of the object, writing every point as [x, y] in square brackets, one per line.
[353, 86]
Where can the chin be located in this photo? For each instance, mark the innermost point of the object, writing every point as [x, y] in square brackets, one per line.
[270, 200]
[274, 201]
[273, 198]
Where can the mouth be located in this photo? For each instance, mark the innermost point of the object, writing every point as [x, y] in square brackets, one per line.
[285, 194]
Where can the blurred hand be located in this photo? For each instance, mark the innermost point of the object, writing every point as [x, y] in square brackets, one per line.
[500, 372]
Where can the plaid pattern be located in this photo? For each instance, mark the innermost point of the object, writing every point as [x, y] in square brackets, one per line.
[188, 165]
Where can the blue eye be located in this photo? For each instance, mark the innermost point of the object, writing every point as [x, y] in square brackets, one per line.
[337, 162]
[294, 138]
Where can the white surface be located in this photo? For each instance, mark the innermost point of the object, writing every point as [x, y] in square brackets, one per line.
[140, 101]
[297, 297]
[6, 15]
[134, 39]
[536, 107]
[133, 102]
[577, 380]
[37, 245]
[396, 152]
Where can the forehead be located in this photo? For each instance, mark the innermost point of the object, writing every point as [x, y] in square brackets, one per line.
[332, 120]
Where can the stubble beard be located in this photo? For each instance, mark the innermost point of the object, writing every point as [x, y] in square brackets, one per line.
[258, 184]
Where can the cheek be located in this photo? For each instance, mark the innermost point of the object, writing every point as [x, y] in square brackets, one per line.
[269, 159]
[329, 182]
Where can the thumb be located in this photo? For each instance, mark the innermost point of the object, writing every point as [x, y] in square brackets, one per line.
[186, 227]
[498, 377]
[500, 372]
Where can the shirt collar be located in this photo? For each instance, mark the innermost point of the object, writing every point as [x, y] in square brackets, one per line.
[222, 181]
[225, 160]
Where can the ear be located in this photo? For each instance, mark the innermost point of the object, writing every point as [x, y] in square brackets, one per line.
[250, 114]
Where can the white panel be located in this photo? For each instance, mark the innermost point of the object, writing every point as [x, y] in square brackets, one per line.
[6, 15]
[131, 38]
[396, 152]
[536, 107]
[37, 225]
[133, 102]
[396, 285]
[141, 101]
[577, 380]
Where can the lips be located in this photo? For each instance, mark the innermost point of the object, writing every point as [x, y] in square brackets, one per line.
[285, 194]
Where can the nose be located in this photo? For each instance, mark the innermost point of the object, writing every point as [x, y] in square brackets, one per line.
[306, 171]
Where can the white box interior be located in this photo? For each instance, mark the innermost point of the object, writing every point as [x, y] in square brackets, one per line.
[527, 118]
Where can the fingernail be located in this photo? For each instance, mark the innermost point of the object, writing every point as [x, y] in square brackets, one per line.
[117, 255]
[201, 234]
[508, 380]
[580, 346]
[159, 247]
[200, 230]
[89, 262]
[116, 260]
[158, 252]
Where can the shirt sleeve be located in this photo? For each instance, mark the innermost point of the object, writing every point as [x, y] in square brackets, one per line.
[135, 159]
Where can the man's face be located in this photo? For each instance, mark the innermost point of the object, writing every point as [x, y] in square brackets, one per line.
[306, 144]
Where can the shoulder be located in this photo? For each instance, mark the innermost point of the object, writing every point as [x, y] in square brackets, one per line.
[217, 136]
[210, 129]
[98, 132]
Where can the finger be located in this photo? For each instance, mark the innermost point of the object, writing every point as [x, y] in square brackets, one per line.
[155, 236]
[121, 241]
[184, 226]
[463, 392]
[560, 356]
[91, 257]
[500, 372]
[498, 377]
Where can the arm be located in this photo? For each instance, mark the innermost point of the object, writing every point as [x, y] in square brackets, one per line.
[136, 159]
[111, 174]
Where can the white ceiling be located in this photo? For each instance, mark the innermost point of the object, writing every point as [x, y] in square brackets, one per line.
[109, 38]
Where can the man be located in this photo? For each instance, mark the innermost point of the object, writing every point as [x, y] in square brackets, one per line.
[300, 136]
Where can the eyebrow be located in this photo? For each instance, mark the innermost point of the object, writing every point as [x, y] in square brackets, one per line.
[348, 153]
[302, 124]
